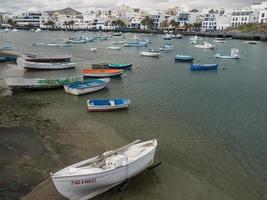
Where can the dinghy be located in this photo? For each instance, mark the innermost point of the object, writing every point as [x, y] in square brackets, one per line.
[8, 58]
[107, 104]
[100, 66]
[203, 67]
[178, 36]
[93, 49]
[149, 54]
[119, 42]
[183, 58]
[120, 66]
[114, 48]
[117, 34]
[166, 47]
[78, 88]
[48, 65]
[91, 177]
[101, 72]
[205, 45]
[40, 83]
[235, 54]
[251, 42]
[35, 44]
[218, 41]
[47, 58]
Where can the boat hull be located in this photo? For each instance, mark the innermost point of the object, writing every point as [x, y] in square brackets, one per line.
[80, 91]
[48, 66]
[204, 67]
[149, 54]
[88, 186]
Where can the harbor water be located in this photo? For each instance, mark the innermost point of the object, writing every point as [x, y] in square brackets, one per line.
[210, 126]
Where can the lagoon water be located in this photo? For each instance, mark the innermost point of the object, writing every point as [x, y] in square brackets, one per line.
[211, 126]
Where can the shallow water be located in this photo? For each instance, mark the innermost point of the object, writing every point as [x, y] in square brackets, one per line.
[211, 126]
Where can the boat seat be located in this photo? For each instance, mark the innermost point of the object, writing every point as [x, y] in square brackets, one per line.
[112, 103]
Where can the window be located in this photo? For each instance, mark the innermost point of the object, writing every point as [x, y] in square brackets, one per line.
[262, 15]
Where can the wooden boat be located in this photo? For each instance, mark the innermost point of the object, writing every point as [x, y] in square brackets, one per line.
[120, 66]
[203, 67]
[117, 34]
[93, 49]
[149, 54]
[205, 45]
[167, 37]
[40, 83]
[235, 54]
[218, 41]
[183, 58]
[100, 66]
[177, 36]
[91, 177]
[78, 88]
[251, 42]
[48, 65]
[101, 72]
[119, 42]
[47, 58]
[8, 58]
[107, 104]
[114, 48]
[139, 44]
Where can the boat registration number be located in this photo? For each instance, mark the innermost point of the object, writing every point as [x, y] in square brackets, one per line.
[83, 181]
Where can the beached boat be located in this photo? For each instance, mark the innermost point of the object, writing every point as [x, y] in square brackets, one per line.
[166, 47]
[100, 66]
[235, 54]
[203, 67]
[150, 53]
[205, 45]
[34, 44]
[101, 72]
[40, 83]
[137, 44]
[120, 66]
[78, 88]
[117, 34]
[91, 177]
[183, 58]
[47, 58]
[48, 65]
[119, 42]
[107, 104]
[114, 48]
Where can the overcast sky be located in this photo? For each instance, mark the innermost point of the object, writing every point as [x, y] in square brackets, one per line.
[26, 5]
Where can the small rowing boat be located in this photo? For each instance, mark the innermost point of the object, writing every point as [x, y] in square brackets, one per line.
[78, 88]
[47, 58]
[48, 65]
[94, 176]
[205, 45]
[107, 104]
[120, 66]
[150, 54]
[114, 48]
[183, 58]
[235, 54]
[101, 72]
[203, 67]
[40, 83]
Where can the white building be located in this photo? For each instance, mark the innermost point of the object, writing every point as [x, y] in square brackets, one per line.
[223, 22]
[209, 22]
[158, 18]
[261, 8]
[135, 24]
[244, 17]
[34, 19]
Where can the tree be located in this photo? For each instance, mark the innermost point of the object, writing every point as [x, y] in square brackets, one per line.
[12, 23]
[121, 23]
[197, 25]
[65, 24]
[148, 22]
[174, 24]
[71, 23]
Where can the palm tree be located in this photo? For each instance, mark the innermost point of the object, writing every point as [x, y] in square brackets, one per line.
[174, 24]
[148, 22]
[197, 25]
[65, 24]
[12, 23]
[71, 23]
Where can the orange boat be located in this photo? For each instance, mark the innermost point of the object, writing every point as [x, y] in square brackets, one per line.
[101, 72]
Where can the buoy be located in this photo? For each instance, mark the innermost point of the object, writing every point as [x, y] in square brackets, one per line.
[125, 75]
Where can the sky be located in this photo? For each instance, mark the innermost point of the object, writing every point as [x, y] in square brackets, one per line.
[36, 5]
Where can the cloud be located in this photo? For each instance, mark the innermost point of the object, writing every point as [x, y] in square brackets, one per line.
[25, 5]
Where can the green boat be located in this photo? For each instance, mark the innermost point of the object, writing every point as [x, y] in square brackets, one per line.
[120, 66]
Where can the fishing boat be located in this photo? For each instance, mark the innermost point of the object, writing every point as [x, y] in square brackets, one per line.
[78, 88]
[34, 44]
[48, 65]
[194, 38]
[137, 44]
[205, 45]
[47, 58]
[15, 30]
[93, 49]
[120, 66]
[166, 47]
[177, 36]
[91, 177]
[193, 42]
[114, 48]
[40, 83]
[117, 34]
[203, 67]
[235, 54]
[218, 41]
[101, 72]
[107, 104]
[100, 66]
[38, 30]
[167, 37]
[183, 58]
[150, 53]
[6, 47]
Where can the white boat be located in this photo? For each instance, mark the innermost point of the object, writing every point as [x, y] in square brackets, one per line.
[85, 87]
[91, 177]
[38, 44]
[40, 83]
[114, 48]
[167, 37]
[149, 54]
[48, 65]
[193, 42]
[205, 45]
[195, 38]
[38, 30]
[218, 41]
[119, 42]
[235, 54]
[15, 30]
[93, 49]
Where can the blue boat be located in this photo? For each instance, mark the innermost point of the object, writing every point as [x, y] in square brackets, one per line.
[183, 58]
[107, 104]
[120, 66]
[8, 58]
[204, 67]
